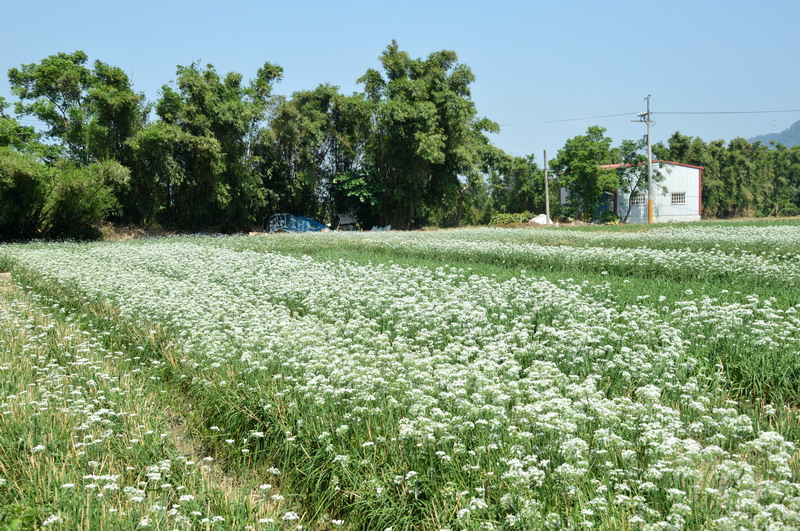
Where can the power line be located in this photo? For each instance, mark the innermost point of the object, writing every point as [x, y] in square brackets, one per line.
[654, 113]
[33, 121]
[729, 112]
[589, 117]
[574, 119]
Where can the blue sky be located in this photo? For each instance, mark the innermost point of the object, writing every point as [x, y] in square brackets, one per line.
[533, 61]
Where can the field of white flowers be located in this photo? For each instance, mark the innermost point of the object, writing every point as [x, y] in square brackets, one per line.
[86, 441]
[762, 254]
[411, 397]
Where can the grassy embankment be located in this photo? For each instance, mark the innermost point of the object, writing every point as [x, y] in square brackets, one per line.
[93, 434]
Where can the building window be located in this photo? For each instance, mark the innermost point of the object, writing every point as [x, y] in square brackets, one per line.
[678, 198]
[637, 199]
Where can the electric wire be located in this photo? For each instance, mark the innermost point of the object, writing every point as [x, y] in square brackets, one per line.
[33, 121]
[727, 112]
[779, 111]
[574, 119]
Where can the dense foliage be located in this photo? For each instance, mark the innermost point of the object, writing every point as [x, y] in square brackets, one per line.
[62, 202]
[408, 150]
[582, 176]
[740, 178]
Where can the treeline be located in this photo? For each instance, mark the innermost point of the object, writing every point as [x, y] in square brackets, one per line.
[218, 151]
[739, 178]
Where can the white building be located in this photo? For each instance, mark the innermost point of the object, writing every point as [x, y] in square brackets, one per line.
[677, 197]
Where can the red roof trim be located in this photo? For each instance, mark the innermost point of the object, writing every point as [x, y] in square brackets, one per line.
[700, 205]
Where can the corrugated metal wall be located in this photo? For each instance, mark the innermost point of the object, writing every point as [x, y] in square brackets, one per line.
[682, 181]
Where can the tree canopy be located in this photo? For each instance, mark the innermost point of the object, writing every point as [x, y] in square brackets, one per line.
[579, 163]
[217, 150]
[425, 134]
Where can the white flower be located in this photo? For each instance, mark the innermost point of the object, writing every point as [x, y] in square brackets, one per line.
[477, 369]
[52, 519]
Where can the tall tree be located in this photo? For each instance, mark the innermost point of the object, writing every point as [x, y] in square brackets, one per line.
[784, 198]
[578, 165]
[201, 150]
[54, 91]
[116, 114]
[22, 137]
[89, 112]
[747, 177]
[525, 185]
[425, 134]
[484, 193]
[320, 136]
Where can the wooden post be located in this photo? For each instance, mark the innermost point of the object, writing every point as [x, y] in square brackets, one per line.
[546, 190]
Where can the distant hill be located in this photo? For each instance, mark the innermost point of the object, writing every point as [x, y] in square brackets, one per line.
[789, 138]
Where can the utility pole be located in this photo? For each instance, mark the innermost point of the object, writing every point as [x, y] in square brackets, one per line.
[546, 190]
[647, 117]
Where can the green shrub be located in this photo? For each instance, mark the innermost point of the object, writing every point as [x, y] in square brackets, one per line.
[61, 202]
[504, 219]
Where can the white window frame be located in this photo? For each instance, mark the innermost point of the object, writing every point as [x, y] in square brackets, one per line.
[677, 198]
[638, 199]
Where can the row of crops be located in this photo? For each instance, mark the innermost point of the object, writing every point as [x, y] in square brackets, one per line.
[385, 395]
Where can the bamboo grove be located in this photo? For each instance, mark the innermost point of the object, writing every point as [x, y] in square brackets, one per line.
[216, 150]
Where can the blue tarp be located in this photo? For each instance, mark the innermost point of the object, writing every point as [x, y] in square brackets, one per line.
[291, 223]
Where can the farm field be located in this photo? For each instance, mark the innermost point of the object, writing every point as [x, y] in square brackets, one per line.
[464, 379]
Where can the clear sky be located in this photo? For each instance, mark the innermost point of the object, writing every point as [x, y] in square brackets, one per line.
[533, 61]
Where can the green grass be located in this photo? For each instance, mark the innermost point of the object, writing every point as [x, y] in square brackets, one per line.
[739, 222]
[624, 288]
[61, 370]
[755, 378]
[608, 235]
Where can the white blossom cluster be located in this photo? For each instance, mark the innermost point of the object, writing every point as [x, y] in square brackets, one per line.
[774, 237]
[681, 262]
[89, 437]
[524, 403]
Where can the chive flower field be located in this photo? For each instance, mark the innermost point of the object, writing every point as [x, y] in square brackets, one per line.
[464, 379]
